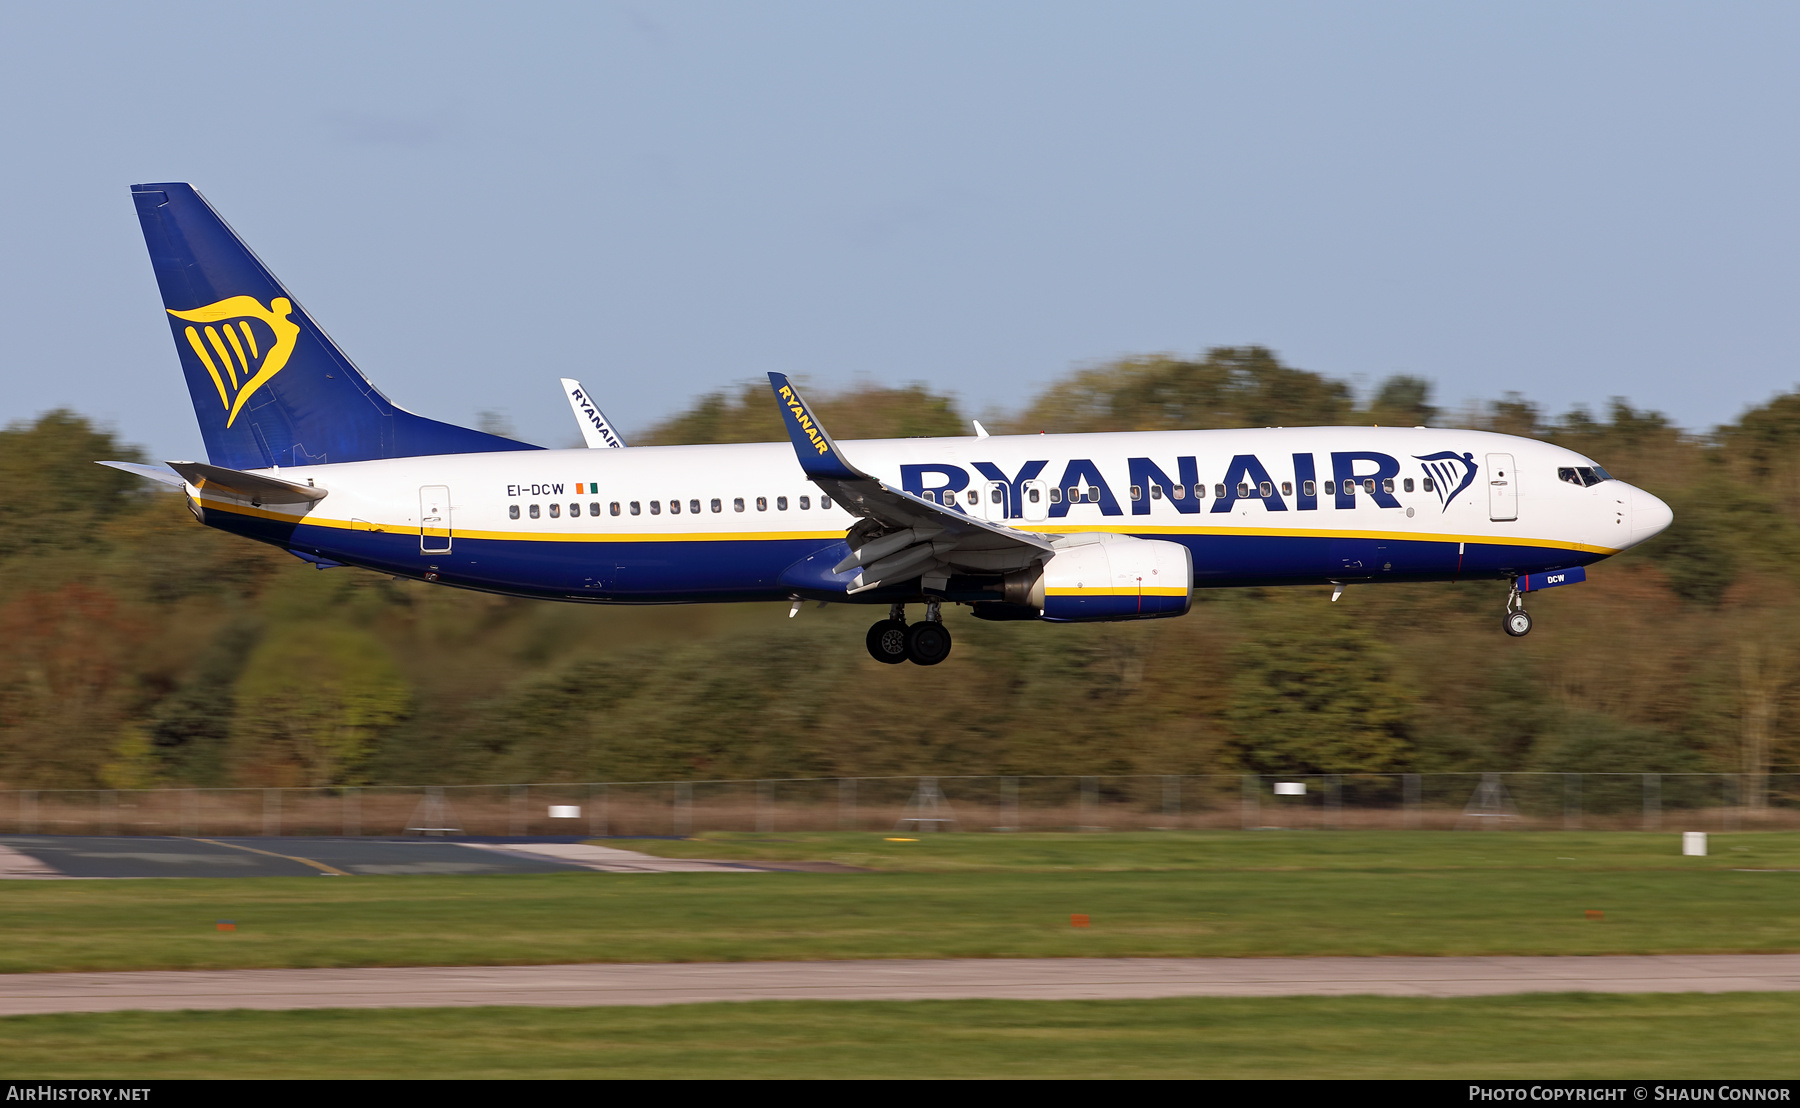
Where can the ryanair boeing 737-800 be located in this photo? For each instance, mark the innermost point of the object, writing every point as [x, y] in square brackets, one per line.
[304, 453]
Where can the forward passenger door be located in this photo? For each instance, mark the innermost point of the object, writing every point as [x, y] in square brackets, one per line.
[1503, 488]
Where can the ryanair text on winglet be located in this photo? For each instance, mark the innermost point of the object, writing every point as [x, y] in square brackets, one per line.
[805, 421]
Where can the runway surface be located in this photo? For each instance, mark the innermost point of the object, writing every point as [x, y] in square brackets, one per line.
[49, 857]
[998, 978]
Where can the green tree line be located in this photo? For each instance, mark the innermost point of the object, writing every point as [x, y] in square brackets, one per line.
[138, 648]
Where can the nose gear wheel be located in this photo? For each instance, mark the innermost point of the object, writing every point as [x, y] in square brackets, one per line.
[1517, 620]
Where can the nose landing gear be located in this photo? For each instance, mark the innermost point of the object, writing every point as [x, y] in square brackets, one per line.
[893, 640]
[1517, 619]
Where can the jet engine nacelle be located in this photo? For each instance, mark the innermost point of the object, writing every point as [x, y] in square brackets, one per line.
[1113, 579]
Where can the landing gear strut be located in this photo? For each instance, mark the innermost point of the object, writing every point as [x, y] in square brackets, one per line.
[893, 640]
[1518, 620]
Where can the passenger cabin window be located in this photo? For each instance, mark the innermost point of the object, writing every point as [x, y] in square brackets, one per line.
[1156, 492]
[1310, 488]
[1349, 488]
[974, 496]
[1093, 496]
[1056, 496]
[1287, 488]
[1408, 484]
[694, 507]
[656, 507]
[636, 508]
[781, 503]
[1264, 489]
[1243, 488]
[824, 502]
[534, 511]
[1075, 496]
[1137, 492]
[555, 511]
[762, 503]
[1429, 485]
[1369, 485]
[805, 503]
[594, 509]
[674, 507]
[717, 506]
[1179, 492]
[574, 511]
[1219, 490]
[737, 504]
[1387, 484]
[512, 511]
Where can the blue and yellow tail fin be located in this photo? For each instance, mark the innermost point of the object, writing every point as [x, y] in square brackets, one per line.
[269, 386]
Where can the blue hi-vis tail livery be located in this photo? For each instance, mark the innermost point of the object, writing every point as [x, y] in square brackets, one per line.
[304, 453]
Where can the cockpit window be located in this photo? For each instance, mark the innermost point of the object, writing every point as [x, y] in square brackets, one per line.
[1585, 476]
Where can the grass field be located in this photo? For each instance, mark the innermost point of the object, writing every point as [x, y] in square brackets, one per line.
[960, 896]
[1735, 1036]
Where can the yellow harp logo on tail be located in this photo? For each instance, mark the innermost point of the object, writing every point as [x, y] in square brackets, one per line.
[242, 344]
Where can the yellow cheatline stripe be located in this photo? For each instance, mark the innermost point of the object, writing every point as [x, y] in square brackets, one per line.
[290, 857]
[237, 347]
[193, 338]
[249, 337]
[212, 336]
[732, 536]
[1155, 591]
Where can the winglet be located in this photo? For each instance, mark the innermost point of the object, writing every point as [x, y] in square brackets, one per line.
[595, 430]
[819, 456]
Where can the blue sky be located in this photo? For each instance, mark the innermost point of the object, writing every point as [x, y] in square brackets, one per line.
[1574, 201]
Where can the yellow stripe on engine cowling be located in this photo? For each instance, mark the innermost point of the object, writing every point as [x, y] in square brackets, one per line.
[1157, 590]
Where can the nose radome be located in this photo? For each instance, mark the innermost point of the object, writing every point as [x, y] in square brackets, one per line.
[1649, 516]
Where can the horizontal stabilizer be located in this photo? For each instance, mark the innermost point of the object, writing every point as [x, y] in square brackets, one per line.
[155, 473]
[254, 487]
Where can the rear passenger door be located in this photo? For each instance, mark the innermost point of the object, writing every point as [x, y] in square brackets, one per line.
[434, 519]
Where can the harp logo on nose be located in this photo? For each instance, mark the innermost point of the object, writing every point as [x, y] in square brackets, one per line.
[242, 344]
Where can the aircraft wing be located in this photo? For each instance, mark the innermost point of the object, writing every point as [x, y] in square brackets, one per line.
[901, 536]
[596, 430]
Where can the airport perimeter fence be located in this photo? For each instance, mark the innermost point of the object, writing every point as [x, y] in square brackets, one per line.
[1411, 801]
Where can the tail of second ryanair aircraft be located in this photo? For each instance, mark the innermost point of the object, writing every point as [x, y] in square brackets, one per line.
[269, 386]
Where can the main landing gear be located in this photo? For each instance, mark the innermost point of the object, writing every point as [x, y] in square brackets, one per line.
[893, 640]
[1518, 620]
